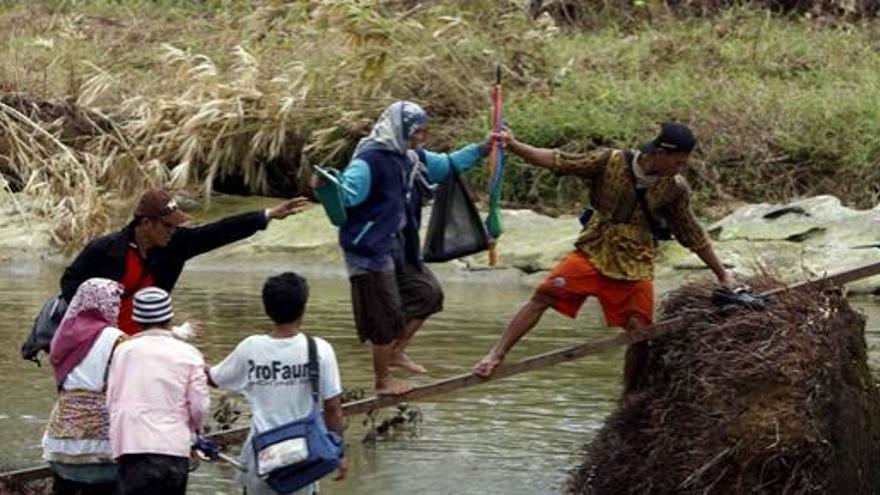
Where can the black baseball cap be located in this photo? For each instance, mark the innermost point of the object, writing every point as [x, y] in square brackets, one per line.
[674, 138]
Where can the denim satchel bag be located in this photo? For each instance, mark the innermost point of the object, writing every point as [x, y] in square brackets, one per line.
[296, 454]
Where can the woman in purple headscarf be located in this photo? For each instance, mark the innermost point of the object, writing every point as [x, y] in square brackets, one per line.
[392, 291]
[76, 443]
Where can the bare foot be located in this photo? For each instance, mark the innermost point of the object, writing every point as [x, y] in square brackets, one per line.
[401, 360]
[487, 365]
[390, 386]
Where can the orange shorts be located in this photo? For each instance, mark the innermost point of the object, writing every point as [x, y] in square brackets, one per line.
[575, 278]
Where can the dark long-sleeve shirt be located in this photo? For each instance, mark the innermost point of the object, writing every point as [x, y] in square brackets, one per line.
[106, 256]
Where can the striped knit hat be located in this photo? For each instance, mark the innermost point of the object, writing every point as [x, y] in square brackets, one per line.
[152, 305]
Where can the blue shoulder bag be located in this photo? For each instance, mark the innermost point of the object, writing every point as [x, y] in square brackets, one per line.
[297, 454]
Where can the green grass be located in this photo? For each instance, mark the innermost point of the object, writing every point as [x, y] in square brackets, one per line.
[781, 107]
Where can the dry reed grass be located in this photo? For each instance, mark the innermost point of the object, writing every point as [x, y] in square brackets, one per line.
[254, 113]
[80, 181]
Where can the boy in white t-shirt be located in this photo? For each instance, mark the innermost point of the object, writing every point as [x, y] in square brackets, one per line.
[270, 371]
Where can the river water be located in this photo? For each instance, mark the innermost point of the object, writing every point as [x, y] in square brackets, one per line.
[520, 435]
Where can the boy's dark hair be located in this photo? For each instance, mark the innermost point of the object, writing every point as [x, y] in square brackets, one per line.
[285, 296]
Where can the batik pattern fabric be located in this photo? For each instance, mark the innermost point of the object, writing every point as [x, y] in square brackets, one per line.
[79, 414]
[618, 237]
[77, 432]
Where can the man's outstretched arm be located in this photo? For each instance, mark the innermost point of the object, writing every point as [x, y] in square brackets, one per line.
[193, 241]
[558, 161]
[541, 157]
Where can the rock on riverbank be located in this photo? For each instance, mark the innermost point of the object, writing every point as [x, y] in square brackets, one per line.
[799, 240]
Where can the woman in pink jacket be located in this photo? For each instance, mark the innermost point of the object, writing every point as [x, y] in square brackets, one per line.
[157, 395]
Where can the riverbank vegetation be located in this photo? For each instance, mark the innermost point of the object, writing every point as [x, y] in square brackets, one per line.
[102, 98]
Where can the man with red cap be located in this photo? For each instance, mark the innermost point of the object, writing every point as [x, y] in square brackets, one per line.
[152, 249]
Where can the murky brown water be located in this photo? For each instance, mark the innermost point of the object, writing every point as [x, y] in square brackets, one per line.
[517, 436]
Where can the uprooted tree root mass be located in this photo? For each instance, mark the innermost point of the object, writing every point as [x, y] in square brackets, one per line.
[776, 401]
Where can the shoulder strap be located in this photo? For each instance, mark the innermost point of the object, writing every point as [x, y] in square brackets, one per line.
[653, 225]
[119, 340]
[625, 205]
[312, 365]
[423, 157]
[608, 155]
[418, 173]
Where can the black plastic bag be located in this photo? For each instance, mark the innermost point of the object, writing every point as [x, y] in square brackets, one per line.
[743, 296]
[45, 324]
[455, 228]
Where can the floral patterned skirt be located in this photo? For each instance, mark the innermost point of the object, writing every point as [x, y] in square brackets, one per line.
[79, 414]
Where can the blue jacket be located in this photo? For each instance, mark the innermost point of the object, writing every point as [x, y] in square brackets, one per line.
[386, 200]
[371, 227]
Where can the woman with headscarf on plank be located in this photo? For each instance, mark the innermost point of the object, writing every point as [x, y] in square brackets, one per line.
[76, 442]
[384, 185]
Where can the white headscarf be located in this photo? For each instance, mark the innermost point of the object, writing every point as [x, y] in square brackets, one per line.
[394, 128]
